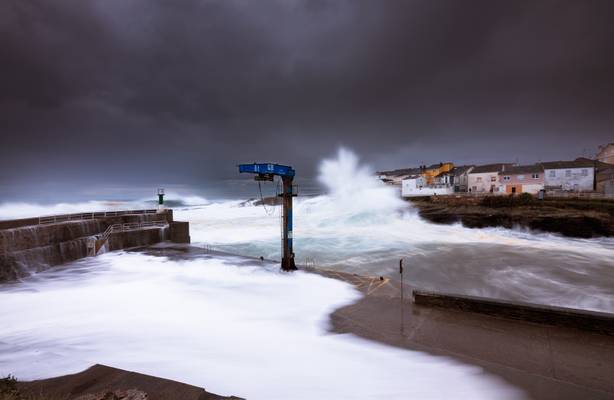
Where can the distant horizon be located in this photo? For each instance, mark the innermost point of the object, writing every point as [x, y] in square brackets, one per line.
[52, 191]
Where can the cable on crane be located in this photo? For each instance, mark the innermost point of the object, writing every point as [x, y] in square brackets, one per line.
[262, 201]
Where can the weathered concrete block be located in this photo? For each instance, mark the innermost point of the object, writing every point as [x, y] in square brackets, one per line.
[135, 238]
[549, 315]
[180, 232]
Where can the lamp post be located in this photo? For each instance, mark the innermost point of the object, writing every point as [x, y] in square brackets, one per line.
[160, 198]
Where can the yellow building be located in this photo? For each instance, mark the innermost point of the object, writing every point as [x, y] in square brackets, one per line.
[429, 173]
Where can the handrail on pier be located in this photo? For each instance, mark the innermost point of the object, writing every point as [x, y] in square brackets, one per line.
[131, 226]
[53, 219]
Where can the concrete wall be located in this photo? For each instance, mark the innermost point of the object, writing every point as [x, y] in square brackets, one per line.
[606, 153]
[137, 238]
[521, 179]
[28, 237]
[16, 223]
[33, 248]
[481, 182]
[558, 316]
[605, 180]
[412, 188]
[570, 179]
[522, 188]
[179, 232]
[461, 182]
[21, 263]
[522, 183]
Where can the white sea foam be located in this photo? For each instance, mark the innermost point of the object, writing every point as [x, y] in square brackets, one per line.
[15, 210]
[362, 225]
[248, 331]
[254, 332]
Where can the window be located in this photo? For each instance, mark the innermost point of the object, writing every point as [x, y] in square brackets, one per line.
[552, 173]
[493, 179]
[568, 173]
[535, 176]
[585, 172]
[507, 178]
[520, 177]
[478, 179]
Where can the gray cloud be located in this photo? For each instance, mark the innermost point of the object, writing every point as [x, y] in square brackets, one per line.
[139, 90]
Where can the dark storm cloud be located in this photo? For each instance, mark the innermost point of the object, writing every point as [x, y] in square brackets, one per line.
[181, 91]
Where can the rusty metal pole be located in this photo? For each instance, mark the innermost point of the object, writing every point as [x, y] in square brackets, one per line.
[402, 314]
[287, 261]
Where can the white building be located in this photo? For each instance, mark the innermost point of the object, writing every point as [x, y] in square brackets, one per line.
[415, 186]
[522, 179]
[485, 178]
[461, 178]
[396, 176]
[570, 176]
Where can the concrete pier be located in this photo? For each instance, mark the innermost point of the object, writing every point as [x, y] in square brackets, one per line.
[33, 244]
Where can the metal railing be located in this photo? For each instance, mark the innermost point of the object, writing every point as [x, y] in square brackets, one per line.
[130, 227]
[53, 219]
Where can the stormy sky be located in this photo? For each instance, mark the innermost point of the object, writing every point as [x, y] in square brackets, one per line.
[126, 91]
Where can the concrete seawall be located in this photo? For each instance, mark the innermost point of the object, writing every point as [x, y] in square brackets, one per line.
[31, 245]
[549, 315]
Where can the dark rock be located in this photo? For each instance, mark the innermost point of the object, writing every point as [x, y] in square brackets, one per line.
[582, 219]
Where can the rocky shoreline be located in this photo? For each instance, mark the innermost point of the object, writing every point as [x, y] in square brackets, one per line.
[579, 218]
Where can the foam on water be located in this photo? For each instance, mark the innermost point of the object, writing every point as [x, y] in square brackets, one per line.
[251, 331]
[16, 210]
[248, 331]
[363, 226]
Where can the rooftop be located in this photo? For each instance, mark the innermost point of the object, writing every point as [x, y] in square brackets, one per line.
[577, 163]
[522, 169]
[400, 172]
[490, 168]
[461, 169]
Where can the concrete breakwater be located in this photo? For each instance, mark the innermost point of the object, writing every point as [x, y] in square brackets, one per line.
[34, 244]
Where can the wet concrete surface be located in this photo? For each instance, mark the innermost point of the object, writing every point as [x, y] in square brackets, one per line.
[547, 362]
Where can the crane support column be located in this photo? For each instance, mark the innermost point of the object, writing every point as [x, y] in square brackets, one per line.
[267, 172]
[287, 261]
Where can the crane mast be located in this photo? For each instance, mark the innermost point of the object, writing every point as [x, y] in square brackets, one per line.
[267, 172]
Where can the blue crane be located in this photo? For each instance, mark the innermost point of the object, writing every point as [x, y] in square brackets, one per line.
[267, 172]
